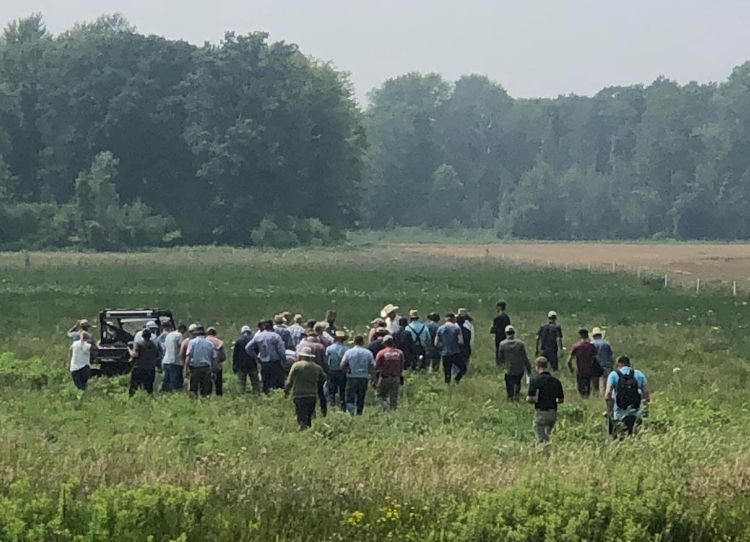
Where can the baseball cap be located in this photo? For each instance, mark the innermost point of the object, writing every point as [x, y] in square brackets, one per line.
[551, 314]
[510, 330]
[246, 329]
[192, 327]
[151, 323]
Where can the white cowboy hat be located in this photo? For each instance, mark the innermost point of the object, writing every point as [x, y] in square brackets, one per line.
[389, 308]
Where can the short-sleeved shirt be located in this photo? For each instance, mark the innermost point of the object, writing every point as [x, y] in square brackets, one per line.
[550, 391]
[604, 353]
[499, 324]
[202, 352]
[420, 334]
[613, 379]
[334, 356]
[172, 345]
[448, 334]
[148, 355]
[585, 353]
[358, 362]
[389, 362]
[80, 355]
[548, 335]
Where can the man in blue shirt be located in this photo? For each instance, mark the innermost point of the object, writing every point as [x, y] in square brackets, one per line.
[449, 339]
[201, 356]
[336, 384]
[358, 363]
[271, 353]
[420, 338]
[627, 396]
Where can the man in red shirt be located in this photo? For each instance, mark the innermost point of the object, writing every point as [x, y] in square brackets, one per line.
[585, 354]
[389, 374]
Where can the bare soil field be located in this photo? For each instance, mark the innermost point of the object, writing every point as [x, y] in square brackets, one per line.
[688, 260]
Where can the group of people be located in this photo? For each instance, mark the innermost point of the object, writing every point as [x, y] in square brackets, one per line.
[312, 362]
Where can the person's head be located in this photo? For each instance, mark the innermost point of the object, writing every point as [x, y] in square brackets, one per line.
[182, 328]
[298, 319]
[501, 306]
[152, 325]
[306, 354]
[245, 330]
[279, 320]
[552, 316]
[320, 327]
[192, 329]
[597, 333]
[450, 317]
[433, 317]
[340, 336]
[268, 325]
[168, 326]
[259, 325]
[311, 324]
[330, 316]
[84, 325]
[287, 316]
[378, 323]
[199, 331]
[381, 333]
[542, 365]
[623, 361]
[403, 322]
[510, 332]
[389, 311]
[211, 331]
[414, 314]
[461, 319]
[463, 312]
[388, 341]
[146, 334]
[359, 340]
[583, 333]
[312, 337]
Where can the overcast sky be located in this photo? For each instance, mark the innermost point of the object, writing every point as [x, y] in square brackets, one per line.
[532, 47]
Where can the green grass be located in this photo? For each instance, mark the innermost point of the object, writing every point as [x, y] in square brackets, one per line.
[450, 464]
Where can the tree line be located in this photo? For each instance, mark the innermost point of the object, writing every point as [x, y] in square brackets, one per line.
[111, 139]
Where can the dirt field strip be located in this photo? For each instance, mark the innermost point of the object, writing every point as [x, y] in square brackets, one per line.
[707, 262]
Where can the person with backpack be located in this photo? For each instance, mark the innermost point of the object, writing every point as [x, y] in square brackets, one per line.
[421, 339]
[402, 338]
[627, 397]
[549, 340]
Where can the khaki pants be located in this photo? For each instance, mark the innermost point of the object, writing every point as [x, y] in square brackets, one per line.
[388, 387]
[544, 422]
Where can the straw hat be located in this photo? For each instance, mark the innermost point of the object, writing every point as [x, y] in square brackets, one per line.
[306, 353]
[597, 331]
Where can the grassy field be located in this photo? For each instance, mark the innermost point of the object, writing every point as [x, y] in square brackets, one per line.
[454, 464]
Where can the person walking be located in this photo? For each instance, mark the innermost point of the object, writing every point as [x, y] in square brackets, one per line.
[604, 355]
[513, 358]
[375, 326]
[468, 323]
[80, 355]
[433, 353]
[549, 340]
[325, 338]
[585, 355]
[389, 374]
[358, 364]
[449, 340]
[145, 356]
[297, 331]
[304, 382]
[280, 327]
[221, 357]
[272, 354]
[171, 363]
[403, 341]
[546, 393]
[200, 359]
[467, 335]
[336, 384]
[627, 396]
[331, 321]
[420, 338]
[501, 321]
[312, 341]
[389, 314]
[244, 363]
[376, 345]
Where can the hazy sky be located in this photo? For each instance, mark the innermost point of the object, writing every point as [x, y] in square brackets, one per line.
[532, 47]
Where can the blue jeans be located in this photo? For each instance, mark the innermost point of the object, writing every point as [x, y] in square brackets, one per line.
[173, 377]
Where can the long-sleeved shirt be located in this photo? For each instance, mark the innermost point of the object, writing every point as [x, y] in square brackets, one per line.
[389, 362]
[270, 346]
[305, 379]
[512, 355]
[242, 360]
[334, 356]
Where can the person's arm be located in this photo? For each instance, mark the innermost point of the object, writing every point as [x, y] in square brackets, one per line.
[560, 341]
[645, 394]
[533, 395]
[74, 328]
[570, 358]
[500, 356]
[280, 349]
[135, 351]
[608, 397]
[538, 344]
[290, 381]
[560, 394]
[525, 358]
[460, 336]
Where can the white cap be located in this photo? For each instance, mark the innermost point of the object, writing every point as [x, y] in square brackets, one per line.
[151, 324]
[192, 327]
[551, 314]
[510, 330]
[246, 329]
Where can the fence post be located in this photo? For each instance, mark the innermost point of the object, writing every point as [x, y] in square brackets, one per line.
[666, 279]
[614, 267]
[588, 267]
[638, 273]
[734, 288]
[697, 286]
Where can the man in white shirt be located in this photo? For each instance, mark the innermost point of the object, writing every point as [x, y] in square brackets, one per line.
[81, 353]
[171, 362]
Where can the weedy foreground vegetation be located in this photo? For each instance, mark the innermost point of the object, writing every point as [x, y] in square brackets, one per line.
[454, 464]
